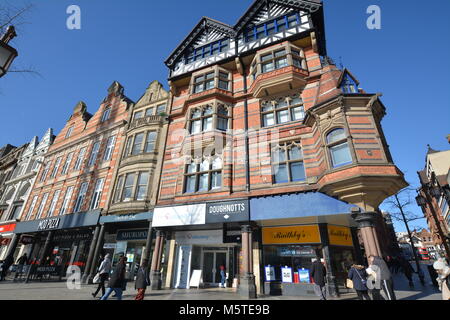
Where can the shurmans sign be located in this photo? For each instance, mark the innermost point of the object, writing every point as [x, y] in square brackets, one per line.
[291, 235]
[340, 236]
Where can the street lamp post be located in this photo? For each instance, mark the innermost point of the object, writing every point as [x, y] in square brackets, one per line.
[7, 53]
[419, 270]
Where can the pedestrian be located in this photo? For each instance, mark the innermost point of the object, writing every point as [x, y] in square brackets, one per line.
[223, 275]
[385, 276]
[117, 281]
[142, 280]
[20, 263]
[408, 271]
[358, 275]
[318, 274]
[443, 280]
[103, 272]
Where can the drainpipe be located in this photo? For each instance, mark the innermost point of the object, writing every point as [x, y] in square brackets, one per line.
[247, 150]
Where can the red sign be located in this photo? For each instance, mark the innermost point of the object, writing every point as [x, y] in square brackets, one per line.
[5, 241]
[7, 228]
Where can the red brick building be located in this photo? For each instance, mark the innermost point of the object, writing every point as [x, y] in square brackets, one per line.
[267, 140]
[73, 185]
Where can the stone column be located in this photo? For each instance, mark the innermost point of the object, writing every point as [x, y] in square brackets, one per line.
[358, 253]
[98, 247]
[148, 243]
[332, 287]
[155, 271]
[366, 224]
[247, 287]
[89, 263]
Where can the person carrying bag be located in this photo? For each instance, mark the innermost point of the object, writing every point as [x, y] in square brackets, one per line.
[358, 278]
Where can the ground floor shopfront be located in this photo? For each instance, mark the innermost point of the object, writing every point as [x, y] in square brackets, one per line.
[6, 234]
[285, 234]
[59, 242]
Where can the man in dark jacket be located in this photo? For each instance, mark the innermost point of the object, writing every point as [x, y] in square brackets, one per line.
[318, 274]
[117, 280]
[385, 275]
[20, 263]
[142, 280]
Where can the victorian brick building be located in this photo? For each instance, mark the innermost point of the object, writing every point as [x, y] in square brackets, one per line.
[271, 148]
[72, 185]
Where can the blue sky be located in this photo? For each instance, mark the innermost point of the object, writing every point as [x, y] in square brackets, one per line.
[407, 60]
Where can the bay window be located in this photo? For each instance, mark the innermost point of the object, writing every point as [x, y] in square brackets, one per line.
[132, 187]
[141, 192]
[217, 78]
[338, 147]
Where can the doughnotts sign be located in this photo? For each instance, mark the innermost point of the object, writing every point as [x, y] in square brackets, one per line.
[291, 235]
[230, 211]
[340, 236]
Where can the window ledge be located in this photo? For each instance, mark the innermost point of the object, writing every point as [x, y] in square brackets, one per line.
[208, 93]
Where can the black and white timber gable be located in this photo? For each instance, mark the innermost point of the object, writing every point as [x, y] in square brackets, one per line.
[266, 22]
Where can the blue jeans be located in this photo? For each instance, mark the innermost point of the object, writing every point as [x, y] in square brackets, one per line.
[118, 292]
[222, 274]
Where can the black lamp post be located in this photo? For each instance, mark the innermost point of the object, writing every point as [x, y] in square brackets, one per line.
[7, 53]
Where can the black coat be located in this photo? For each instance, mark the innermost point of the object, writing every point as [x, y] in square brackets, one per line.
[117, 279]
[142, 279]
[318, 273]
[357, 276]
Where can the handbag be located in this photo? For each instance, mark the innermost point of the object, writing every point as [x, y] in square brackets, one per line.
[349, 284]
[96, 278]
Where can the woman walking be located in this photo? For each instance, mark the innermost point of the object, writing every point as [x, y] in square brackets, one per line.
[358, 275]
[117, 281]
[103, 271]
[142, 281]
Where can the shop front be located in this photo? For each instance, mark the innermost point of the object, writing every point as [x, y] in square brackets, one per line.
[206, 237]
[60, 241]
[6, 234]
[127, 235]
[298, 228]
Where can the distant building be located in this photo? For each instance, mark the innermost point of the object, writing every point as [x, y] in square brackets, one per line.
[434, 197]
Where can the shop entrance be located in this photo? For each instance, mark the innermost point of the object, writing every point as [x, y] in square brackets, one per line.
[212, 260]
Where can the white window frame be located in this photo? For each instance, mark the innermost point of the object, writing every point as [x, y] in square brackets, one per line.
[66, 165]
[56, 168]
[80, 198]
[31, 209]
[66, 201]
[80, 159]
[55, 199]
[97, 195]
[109, 148]
[94, 154]
[42, 205]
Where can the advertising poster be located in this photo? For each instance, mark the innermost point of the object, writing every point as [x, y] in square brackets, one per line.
[270, 273]
[286, 274]
[303, 275]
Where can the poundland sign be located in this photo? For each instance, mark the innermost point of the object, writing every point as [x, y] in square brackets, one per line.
[230, 211]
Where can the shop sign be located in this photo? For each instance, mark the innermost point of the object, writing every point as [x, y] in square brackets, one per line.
[72, 236]
[5, 241]
[286, 275]
[146, 216]
[199, 237]
[340, 236]
[48, 224]
[179, 216]
[130, 235]
[303, 275]
[230, 211]
[270, 273]
[7, 228]
[296, 252]
[291, 235]
[26, 240]
[109, 246]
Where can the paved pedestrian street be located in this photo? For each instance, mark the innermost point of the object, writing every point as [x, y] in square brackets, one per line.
[10, 290]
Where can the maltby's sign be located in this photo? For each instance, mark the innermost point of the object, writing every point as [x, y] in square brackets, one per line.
[230, 211]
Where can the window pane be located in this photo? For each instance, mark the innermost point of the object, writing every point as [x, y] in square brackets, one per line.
[280, 104]
[278, 155]
[298, 171]
[128, 189]
[267, 107]
[137, 144]
[281, 175]
[160, 109]
[216, 180]
[268, 119]
[149, 112]
[295, 153]
[192, 168]
[203, 182]
[267, 67]
[297, 63]
[336, 135]
[217, 164]
[223, 75]
[142, 186]
[138, 115]
[207, 124]
[209, 84]
[283, 116]
[281, 63]
[223, 85]
[341, 154]
[204, 166]
[190, 184]
[207, 111]
[298, 113]
[210, 75]
[296, 100]
[222, 124]
[196, 114]
[198, 88]
[150, 145]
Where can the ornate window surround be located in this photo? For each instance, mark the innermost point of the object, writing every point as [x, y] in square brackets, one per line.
[198, 161]
[290, 107]
[215, 105]
[286, 146]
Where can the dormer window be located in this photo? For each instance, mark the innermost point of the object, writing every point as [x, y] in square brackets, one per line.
[208, 50]
[272, 27]
[69, 132]
[349, 85]
[106, 114]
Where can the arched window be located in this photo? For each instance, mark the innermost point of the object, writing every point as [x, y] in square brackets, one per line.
[287, 163]
[337, 144]
[106, 114]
